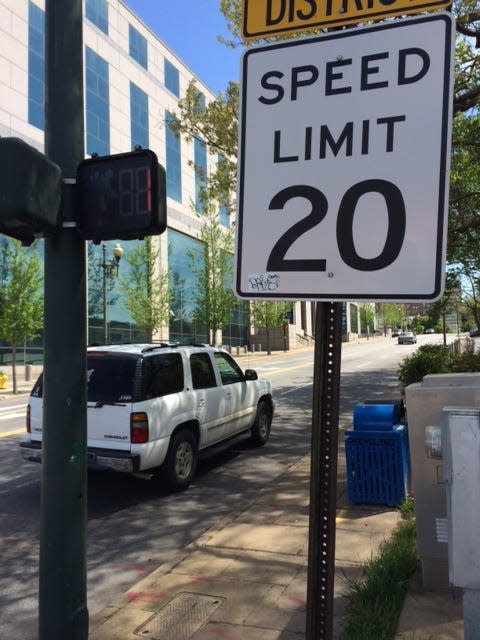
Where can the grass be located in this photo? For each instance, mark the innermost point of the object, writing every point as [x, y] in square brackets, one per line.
[376, 601]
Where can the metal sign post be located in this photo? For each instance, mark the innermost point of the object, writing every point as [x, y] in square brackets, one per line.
[323, 478]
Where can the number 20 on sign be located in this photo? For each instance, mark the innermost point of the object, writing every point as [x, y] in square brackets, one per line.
[343, 167]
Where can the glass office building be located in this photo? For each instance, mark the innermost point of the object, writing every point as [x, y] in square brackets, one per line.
[132, 85]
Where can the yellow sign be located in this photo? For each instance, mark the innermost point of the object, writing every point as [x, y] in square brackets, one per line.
[263, 18]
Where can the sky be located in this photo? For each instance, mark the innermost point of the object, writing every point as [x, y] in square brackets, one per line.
[190, 29]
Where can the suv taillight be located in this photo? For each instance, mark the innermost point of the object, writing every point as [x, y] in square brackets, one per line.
[28, 423]
[138, 427]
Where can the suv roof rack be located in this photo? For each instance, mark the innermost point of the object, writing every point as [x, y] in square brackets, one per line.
[160, 345]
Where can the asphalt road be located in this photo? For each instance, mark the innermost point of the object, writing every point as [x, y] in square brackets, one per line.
[133, 526]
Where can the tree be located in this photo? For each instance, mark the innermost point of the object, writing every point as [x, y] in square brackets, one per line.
[21, 310]
[147, 294]
[367, 318]
[268, 315]
[391, 315]
[213, 298]
[217, 125]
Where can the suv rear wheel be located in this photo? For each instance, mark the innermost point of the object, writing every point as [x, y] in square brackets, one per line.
[180, 464]
[262, 424]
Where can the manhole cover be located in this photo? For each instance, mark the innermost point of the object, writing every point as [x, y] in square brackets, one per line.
[180, 618]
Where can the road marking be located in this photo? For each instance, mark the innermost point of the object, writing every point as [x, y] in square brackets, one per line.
[14, 414]
[16, 432]
[303, 386]
[12, 407]
[298, 366]
[364, 364]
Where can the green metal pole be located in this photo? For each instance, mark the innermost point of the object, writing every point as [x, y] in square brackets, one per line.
[63, 613]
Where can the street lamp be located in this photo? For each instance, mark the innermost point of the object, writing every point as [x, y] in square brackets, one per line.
[110, 269]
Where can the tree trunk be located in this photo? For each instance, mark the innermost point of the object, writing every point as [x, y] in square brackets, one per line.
[14, 368]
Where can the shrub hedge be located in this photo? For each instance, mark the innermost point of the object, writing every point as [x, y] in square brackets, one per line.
[436, 358]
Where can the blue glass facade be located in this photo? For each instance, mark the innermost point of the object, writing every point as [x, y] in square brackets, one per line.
[138, 46]
[224, 216]
[174, 160]
[97, 102]
[36, 66]
[182, 250]
[182, 325]
[97, 12]
[138, 117]
[200, 162]
[172, 78]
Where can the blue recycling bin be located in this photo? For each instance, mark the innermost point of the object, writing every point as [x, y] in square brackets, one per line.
[377, 456]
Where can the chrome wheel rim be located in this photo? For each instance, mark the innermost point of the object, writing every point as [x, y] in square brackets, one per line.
[263, 424]
[183, 460]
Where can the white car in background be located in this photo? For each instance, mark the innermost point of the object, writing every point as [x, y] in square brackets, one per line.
[407, 337]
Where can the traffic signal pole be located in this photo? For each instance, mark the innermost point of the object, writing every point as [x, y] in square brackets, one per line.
[63, 613]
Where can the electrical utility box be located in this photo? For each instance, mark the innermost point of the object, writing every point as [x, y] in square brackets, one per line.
[461, 472]
[424, 402]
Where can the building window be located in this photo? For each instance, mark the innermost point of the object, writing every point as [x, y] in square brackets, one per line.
[223, 211]
[138, 46]
[224, 216]
[172, 78]
[138, 116]
[36, 66]
[174, 160]
[97, 12]
[183, 252]
[202, 103]
[200, 162]
[97, 102]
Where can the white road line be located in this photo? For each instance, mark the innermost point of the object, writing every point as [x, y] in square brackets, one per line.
[15, 414]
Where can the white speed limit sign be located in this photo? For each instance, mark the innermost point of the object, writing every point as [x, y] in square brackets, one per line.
[343, 167]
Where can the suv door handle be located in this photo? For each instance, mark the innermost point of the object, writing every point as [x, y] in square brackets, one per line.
[228, 395]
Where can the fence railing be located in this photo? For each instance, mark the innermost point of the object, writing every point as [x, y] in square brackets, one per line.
[24, 355]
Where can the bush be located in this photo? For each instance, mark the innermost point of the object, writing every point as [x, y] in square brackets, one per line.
[436, 358]
[465, 362]
[429, 358]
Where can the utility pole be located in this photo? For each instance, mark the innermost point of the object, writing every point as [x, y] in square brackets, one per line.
[63, 613]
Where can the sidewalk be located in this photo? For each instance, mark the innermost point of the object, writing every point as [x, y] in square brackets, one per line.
[245, 578]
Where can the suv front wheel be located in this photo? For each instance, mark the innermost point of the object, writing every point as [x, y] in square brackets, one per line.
[261, 426]
[180, 464]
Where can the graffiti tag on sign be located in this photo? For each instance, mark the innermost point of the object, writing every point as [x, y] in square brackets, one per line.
[263, 282]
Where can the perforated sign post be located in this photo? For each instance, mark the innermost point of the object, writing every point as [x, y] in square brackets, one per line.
[343, 169]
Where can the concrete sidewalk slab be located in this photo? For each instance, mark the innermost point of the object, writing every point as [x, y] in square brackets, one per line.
[253, 565]
[431, 615]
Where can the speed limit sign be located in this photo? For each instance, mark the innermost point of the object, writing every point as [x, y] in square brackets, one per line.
[343, 167]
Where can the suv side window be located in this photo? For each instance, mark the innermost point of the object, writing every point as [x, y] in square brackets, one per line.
[203, 375]
[163, 375]
[229, 370]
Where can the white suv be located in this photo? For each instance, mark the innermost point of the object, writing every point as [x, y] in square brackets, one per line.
[157, 408]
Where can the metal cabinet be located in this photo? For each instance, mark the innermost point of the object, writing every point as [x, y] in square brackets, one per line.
[424, 402]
